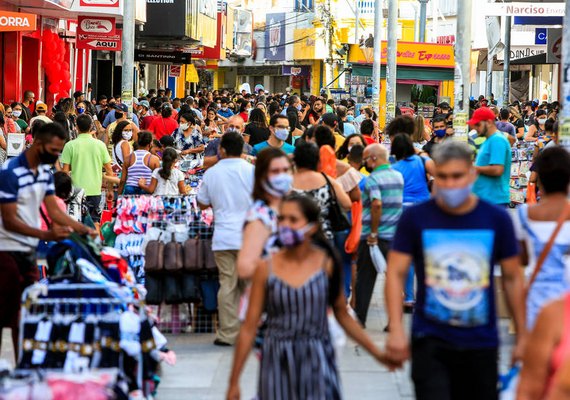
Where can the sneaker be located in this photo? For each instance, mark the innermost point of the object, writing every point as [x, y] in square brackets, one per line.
[220, 343]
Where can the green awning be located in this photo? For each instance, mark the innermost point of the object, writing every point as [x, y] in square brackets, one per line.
[422, 74]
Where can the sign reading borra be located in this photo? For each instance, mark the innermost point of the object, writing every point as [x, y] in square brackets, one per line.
[13, 21]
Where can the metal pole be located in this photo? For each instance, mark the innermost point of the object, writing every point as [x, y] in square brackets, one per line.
[507, 62]
[391, 60]
[376, 67]
[489, 75]
[564, 137]
[423, 17]
[462, 68]
[356, 21]
[128, 53]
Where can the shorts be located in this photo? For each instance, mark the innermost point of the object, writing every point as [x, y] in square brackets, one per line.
[93, 204]
[18, 271]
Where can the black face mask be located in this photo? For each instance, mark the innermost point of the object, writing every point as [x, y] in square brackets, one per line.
[47, 158]
[368, 169]
[118, 115]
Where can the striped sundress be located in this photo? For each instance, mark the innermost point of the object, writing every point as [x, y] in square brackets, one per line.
[298, 360]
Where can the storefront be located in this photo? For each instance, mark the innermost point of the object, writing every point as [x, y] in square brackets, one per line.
[424, 73]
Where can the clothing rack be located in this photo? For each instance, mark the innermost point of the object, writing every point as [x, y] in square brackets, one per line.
[83, 303]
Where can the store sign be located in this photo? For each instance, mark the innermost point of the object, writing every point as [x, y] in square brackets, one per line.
[302, 70]
[175, 57]
[174, 71]
[554, 46]
[448, 39]
[526, 9]
[540, 36]
[13, 21]
[99, 3]
[411, 54]
[96, 25]
[95, 41]
[167, 18]
[275, 37]
[518, 52]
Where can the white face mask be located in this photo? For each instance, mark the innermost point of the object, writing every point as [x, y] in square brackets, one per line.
[127, 135]
[17, 113]
[184, 126]
[541, 121]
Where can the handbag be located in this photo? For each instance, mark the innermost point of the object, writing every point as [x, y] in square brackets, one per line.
[171, 290]
[548, 247]
[154, 255]
[189, 288]
[207, 255]
[153, 285]
[173, 256]
[191, 261]
[337, 217]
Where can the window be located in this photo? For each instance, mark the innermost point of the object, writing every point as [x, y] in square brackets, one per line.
[304, 5]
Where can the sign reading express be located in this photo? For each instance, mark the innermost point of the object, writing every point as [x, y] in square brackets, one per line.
[412, 54]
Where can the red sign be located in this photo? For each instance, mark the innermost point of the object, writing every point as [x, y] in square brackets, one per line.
[100, 42]
[96, 25]
[174, 71]
[449, 39]
[99, 3]
[13, 21]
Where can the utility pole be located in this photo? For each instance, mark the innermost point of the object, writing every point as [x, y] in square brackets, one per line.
[330, 34]
[507, 62]
[490, 59]
[376, 67]
[423, 18]
[564, 138]
[462, 68]
[391, 60]
[128, 53]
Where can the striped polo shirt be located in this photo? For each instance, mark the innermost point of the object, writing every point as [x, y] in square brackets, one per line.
[387, 185]
[19, 184]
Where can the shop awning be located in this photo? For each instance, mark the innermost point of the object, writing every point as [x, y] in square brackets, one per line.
[407, 73]
[538, 59]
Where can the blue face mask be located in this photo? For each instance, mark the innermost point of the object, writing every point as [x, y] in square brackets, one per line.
[290, 237]
[454, 198]
[350, 118]
[282, 134]
[80, 110]
[439, 133]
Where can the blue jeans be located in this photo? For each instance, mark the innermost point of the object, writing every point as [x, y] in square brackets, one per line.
[339, 240]
[129, 190]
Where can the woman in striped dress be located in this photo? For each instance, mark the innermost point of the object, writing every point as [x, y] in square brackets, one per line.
[295, 286]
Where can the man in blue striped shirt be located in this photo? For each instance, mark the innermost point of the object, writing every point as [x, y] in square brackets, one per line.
[381, 209]
[25, 183]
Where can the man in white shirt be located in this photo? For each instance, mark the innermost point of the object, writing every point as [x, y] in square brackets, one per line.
[227, 188]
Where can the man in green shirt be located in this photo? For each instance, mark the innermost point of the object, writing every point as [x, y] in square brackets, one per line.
[86, 157]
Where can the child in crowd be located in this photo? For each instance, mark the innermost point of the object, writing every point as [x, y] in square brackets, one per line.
[167, 180]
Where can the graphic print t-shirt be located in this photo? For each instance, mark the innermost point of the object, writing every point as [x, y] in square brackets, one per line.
[454, 258]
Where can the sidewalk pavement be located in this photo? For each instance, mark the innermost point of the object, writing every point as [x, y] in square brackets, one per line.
[202, 371]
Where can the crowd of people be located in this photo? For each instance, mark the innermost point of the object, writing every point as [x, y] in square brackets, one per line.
[304, 190]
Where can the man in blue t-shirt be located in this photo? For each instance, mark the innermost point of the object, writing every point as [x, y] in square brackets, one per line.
[493, 163]
[224, 111]
[454, 241]
[279, 128]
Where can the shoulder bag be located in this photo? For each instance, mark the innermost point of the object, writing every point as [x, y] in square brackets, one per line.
[154, 255]
[337, 217]
[173, 256]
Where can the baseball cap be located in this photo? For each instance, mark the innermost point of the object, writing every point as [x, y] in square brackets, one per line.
[78, 94]
[329, 119]
[145, 104]
[121, 107]
[481, 114]
[41, 107]
[444, 105]
[135, 101]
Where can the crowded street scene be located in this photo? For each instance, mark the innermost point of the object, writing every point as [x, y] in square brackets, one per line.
[284, 200]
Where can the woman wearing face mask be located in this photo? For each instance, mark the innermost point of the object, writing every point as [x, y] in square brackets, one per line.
[16, 113]
[9, 126]
[296, 286]
[273, 180]
[188, 138]
[244, 108]
[257, 129]
[139, 164]
[212, 124]
[536, 130]
[355, 139]
[122, 135]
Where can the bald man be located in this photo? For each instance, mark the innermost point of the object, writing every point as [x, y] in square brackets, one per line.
[381, 210]
[211, 153]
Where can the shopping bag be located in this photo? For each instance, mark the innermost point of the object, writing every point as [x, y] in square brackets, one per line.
[378, 259]
[508, 384]
[353, 239]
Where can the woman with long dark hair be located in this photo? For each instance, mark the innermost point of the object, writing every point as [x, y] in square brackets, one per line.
[536, 130]
[257, 128]
[122, 135]
[296, 286]
[273, 180]
[356, 139]
[166, 180]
